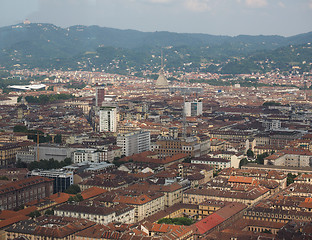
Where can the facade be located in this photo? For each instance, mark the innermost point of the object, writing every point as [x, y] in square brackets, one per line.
[86, 155]
[48, 151]
[144, 203]
[89, 210]
[134, 142]
[62, 179]
[250, 196]
[51, 227]
[18, 193]
[108, 119]
[192, 109]
[8, 152]
[216, 163]
[169, 146]
[99, 96]
[290, 158]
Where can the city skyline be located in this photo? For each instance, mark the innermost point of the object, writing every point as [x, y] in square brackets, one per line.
[232, 17]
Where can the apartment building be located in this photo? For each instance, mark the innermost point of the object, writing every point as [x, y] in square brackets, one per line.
[18, 193]
[134, 142]
[95, 212]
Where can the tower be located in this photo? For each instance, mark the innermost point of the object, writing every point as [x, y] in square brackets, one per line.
[193, 109]
[162, 82]
[108, 118]
[99, 96]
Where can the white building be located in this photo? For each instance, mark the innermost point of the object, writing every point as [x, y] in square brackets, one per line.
[120, 213]
[134, 142]
[86, 155]
[193, 109]
[108, 119]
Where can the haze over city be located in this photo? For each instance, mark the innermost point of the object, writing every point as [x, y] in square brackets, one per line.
[218, 17]
[119, 121]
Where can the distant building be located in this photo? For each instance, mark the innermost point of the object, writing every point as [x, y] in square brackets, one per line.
[162, 82]
[8, 152]
[172, 144]
[193, 109]
[96, 212]
[99, 96]
[62, 178]
[18, 193]
[108, 118]
[48, 227]
[134, 142]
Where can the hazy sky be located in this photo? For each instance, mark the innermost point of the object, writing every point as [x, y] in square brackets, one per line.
[219, 17]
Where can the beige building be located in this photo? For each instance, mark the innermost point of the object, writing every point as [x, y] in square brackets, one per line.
[95, 212]
[249, 196]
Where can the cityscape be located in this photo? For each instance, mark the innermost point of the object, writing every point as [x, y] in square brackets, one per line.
[125, 134]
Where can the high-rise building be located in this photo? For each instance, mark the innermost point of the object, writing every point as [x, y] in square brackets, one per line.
[134, 142]
[99, 96]
[108, 118]
[192, 109]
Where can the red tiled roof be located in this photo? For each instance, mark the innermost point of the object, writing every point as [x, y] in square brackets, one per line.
[92, 192]
[12, 220]
[208, 223]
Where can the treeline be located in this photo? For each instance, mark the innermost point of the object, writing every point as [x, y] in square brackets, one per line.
[44, 99]
[33, 134]
[45, 164]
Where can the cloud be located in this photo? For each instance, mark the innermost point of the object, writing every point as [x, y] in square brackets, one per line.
[197, 5]
[256, 3]
[281, 4]
[310, 4]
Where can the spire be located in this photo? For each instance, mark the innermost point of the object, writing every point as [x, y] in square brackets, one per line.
[162, 82]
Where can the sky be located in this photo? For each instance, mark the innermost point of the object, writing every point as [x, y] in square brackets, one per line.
[217, 17]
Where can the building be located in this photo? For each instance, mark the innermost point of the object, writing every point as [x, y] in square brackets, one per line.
[99, 96]
[8, 152]
[48, 227]
[192, 109]
[216, 163]
[145, 203]
[94, 211]
[134, 142]
[169, 146]
[290, 158]
[86, 155]
[108, 118]
[18, 193]
[48, 151]
[220, 219]
[62, 178]
[162, 82]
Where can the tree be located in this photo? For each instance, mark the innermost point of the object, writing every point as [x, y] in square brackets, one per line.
[73, 189]
[4, 178]
[34, 214]
[250, 153]
[177, 221]
[290, 178]
[58, 138]
[49, 212]
[20, 128]
[261, 157]
[243, 162]
[20, 164]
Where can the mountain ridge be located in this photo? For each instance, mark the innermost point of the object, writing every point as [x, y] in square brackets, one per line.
[47, 45]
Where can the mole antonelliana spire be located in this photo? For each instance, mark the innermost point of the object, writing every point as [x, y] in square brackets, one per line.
[162, 82]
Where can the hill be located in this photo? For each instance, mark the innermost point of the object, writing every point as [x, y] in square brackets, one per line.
[93, 47]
